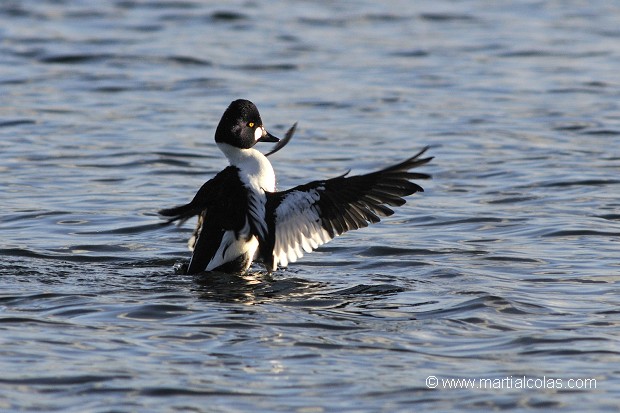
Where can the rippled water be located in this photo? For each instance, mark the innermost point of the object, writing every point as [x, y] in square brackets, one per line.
[507, 266]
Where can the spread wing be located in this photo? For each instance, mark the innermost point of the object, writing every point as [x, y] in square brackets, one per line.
[218, 197]
[283, 141]
[307, 216]
[209, 192]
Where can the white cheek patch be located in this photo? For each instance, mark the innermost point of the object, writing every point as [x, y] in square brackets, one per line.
[258, 133]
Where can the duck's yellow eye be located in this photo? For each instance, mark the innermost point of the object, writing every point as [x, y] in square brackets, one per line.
[251, 124]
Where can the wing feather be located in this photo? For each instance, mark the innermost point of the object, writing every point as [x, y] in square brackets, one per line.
[221, 219]
[209, 193]
[307, 216]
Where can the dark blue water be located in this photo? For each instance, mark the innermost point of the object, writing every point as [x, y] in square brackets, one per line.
[506, 269]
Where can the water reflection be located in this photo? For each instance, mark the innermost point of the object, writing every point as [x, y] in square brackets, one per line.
[251, 288]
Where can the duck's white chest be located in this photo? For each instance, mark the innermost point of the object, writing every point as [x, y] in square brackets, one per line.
[255, 170]
[258, 173]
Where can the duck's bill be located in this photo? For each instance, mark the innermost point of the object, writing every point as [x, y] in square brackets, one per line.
[282, 143]
[268, 137]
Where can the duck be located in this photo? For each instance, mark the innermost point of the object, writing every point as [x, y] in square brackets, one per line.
[243, 218]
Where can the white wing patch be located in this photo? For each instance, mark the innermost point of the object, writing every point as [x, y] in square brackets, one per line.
[232, 247]
[298, 227]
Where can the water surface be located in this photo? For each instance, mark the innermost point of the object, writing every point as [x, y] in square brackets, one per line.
[506, 267]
